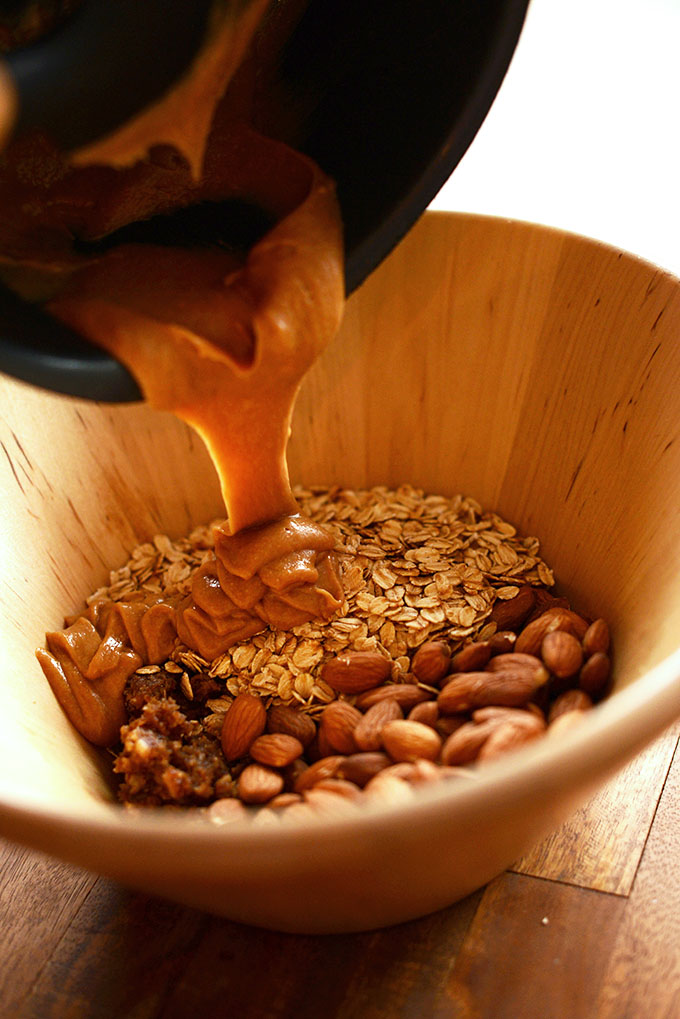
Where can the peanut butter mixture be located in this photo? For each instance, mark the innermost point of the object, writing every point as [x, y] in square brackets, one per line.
[221, 334]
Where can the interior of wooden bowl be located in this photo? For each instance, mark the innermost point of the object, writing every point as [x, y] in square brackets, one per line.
[536, 371]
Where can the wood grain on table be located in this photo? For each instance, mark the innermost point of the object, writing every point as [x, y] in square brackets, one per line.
[585, 926]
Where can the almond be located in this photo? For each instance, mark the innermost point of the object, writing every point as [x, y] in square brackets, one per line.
[594, 675]
[567, 720]
[405, 740]
[244, 722]
[517, 661]
[468, 742]
[407, 695]
[336, 728]
[284, 800]
[472, 657]
[544, 600]
[355, 671]
[562, 653]
[427, 713]
[510, 614]
[431, 662]
[389, 790]
[448, 724]
[518, 715]
[360, 768]
[502, 642]
[326, 767]
[419, 772]
[326, 803]
[227, 810]
[464, 744]
[293, 772]
[276, 749]
[530, 639]
[321, 747]
[509, 736]
[368, 732]
[468, 690]
[282, 718]
[570, 700]
[596, 638]
[258, 784]
[340, 787]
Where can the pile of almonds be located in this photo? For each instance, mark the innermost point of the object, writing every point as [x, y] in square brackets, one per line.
[541, 669]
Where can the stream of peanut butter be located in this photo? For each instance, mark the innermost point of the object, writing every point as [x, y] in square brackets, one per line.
[221, 341]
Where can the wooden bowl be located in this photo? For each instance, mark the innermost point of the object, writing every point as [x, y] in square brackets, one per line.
[534, 370]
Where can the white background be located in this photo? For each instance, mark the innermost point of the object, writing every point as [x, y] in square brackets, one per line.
[585, 131]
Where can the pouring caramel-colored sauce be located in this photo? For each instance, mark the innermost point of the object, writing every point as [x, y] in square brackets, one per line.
[221, 339]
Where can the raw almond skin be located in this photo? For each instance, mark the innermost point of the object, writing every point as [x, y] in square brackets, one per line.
[328, 804]
[243, 723]
[407, 695]
[389, 790]
[566, 721]
[472, 657]
[405, 740]
[545, 601]
[530, 719]
[282, 718]
[340, 787]
[355, 671]
[293, 772]
[326, 767]
[510, 614]
[336, 728]
[466, 745]
[463, 746]
[502, 642]
[226, 811]
[570, 700]
[276, 749]
[431, 662]
[361, 768]
[594, 675]
[259, 784]
[515, 660]
[468, 690]
[321, 747]
[284, 800]
[508, 736]
[561, 653]
[420, 772]
[368, 733]
[596, 638]
[448, 724]
[427, 713]
[530, 639]
[518, 664]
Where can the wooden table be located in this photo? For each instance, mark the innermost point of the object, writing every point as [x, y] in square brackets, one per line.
[587, 926]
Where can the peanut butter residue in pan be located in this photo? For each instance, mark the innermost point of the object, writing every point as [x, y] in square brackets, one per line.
[219, 336]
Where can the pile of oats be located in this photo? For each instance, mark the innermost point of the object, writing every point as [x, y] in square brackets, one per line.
[414, 567]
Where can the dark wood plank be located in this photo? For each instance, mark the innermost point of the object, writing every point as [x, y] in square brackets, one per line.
[601, 844]
[535, 950]
[138, 957]
[643, 976]
[38, 900]
[120, 957]
[376, 975]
